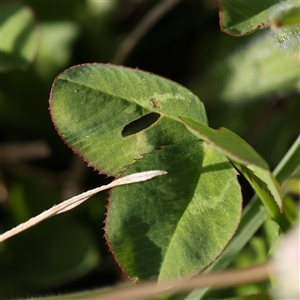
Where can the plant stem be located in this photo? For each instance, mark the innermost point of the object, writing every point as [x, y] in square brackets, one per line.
[141, 29]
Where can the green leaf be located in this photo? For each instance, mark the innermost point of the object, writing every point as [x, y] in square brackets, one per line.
[239, 17]
[273, 234]
[92, 104]
[255, 70]
[245, 158]
[56, 37]
[19, 36]
[226, 141]
[175, 225]
[254, 215]
[285, 23]
[286, 15]
[167, 227]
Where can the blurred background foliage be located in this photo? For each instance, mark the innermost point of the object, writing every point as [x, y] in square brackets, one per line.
[248, 84]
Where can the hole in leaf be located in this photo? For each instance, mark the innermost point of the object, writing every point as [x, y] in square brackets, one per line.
[140, 124]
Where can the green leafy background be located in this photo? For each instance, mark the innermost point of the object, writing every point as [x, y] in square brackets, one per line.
[19, 36]
[186, 46]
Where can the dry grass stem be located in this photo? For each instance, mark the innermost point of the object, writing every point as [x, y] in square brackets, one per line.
[151, 18]
[75, 201]
[218, 280]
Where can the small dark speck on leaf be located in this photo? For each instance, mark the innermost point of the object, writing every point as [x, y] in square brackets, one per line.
[155, 103]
